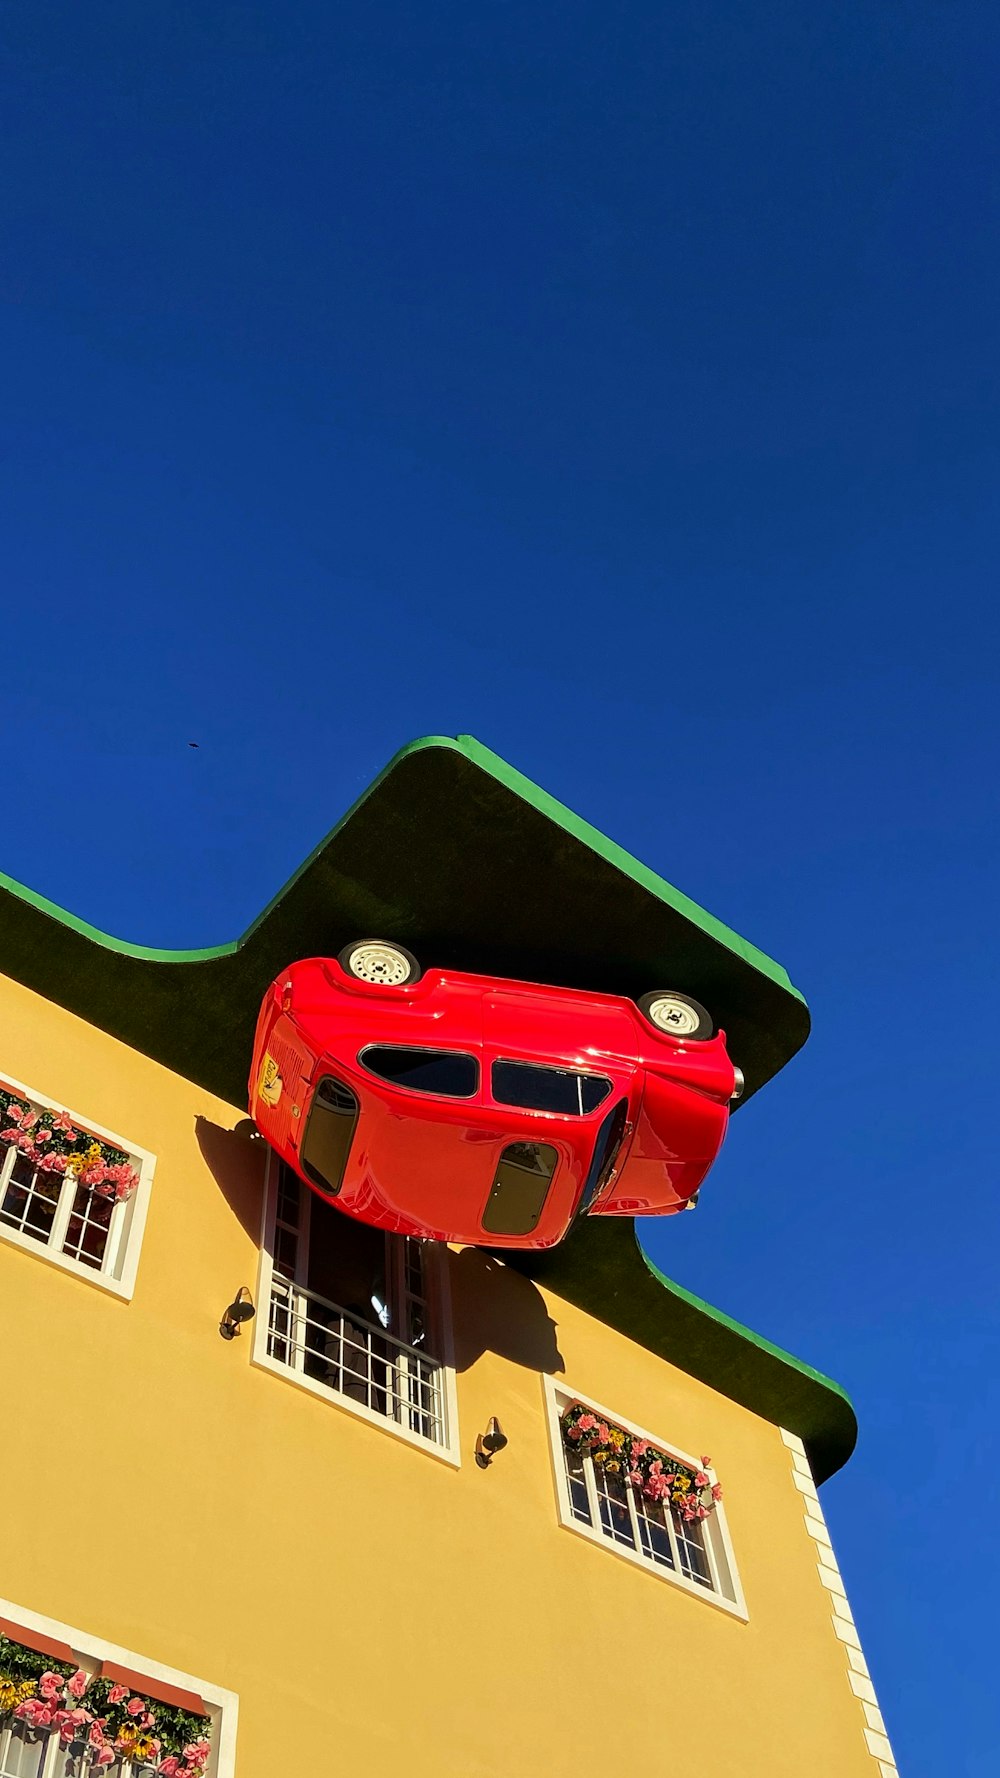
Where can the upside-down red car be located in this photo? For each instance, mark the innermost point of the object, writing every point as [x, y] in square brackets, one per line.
[483, 1111]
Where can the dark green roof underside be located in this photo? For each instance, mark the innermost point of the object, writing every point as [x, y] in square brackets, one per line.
[460, 857]
[603, 1270]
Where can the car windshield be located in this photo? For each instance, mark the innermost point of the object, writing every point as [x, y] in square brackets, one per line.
[535, 1088]
[447, 1072]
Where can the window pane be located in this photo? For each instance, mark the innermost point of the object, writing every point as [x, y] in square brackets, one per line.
[616, 1521]
[452, 1075]
[576, 1483]
[653, 1534]
[520, 1188]
[329, 1132]
[89, 1223]
[30, 1200]
[548, 1089]
[691, 1549]
[20, 1757]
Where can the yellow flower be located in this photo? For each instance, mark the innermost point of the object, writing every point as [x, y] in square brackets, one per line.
[126, 1738]
[76, 1164]
[143, 1747]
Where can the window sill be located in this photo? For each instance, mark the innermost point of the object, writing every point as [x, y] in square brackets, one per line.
[635, 1560]
[123, 1288]
[447, 1454]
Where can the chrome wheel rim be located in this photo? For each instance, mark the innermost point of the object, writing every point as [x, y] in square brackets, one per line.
[672, 1015]
[382, 965]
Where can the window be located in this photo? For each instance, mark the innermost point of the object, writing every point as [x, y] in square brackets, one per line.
[609, 1141]
[329, 1133]
[597, 1500]
[69, 1190]
[179, 1715]
[548, 1089]
[356, 1315]
[520, 1188]
[453, 1075]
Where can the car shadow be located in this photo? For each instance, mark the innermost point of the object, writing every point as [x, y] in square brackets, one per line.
[235, 1158]
[495, 1309]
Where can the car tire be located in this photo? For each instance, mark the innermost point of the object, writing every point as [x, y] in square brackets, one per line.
[677, 1015]
[380, 963]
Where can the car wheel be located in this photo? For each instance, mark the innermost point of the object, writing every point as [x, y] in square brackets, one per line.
[677, 1014]
[376, 961]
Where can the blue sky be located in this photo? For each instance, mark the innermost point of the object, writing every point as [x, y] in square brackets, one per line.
[620, 387]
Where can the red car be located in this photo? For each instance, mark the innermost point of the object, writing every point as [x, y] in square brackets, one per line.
[488, 1112]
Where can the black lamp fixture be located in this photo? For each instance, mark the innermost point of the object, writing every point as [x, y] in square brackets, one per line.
[240, 1309]
[490, 1442]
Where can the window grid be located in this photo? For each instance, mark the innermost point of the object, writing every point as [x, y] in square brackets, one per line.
[662, 1537]
[340, 1349]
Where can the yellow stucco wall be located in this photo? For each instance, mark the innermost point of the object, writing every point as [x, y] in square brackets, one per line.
[374, 1609]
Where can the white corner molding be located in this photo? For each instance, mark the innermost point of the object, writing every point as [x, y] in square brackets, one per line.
[870, 1723]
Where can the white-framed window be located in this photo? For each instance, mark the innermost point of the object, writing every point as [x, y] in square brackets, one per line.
[71, 1192]
[32, 1751]
[599, 1503]
[356, 1315]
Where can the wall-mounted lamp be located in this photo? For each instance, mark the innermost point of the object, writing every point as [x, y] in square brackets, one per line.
[490, 1442]
[240, 1309]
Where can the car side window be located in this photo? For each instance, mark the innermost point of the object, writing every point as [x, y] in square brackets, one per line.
[520, 1188]
[448, 1072]
[329, 1133]
[548, 1089]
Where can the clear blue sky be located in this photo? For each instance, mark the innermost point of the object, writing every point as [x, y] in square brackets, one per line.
[619, 385]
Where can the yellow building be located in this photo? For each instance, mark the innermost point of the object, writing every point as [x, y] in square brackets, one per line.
[285, 1535]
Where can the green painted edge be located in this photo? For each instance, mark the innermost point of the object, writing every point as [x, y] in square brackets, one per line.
[512, 780]
[623, 861]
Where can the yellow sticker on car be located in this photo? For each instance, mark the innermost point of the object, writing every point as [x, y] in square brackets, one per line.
[269, 1081]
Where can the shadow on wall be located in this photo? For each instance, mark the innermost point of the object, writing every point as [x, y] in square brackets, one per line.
[497, 1310]
[235, 1158]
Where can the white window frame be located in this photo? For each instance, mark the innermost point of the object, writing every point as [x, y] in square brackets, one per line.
[726, 1592]
[118, 1269]
[436, 1261]
[90, 1651]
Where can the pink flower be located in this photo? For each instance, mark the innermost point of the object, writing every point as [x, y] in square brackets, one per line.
[701, 1480]
[170, 1766]
[78, 1684]
[716, 1490]
[34, 1712]
[136, 1706]
[96, 1736]
[94, 1175]
[43, 1136]
[117, 1693]
[640, 1446]
[62, 1121]
[706, 1463]
[53, 1163]
[573, 1432]
[10, 1134]
[106, 1756]
[603, 1433]
[50, 1685]
[586, 1422]
[634, 1478]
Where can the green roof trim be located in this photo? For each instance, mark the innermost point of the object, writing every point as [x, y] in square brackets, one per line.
[463, 859]
[602, 1269]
